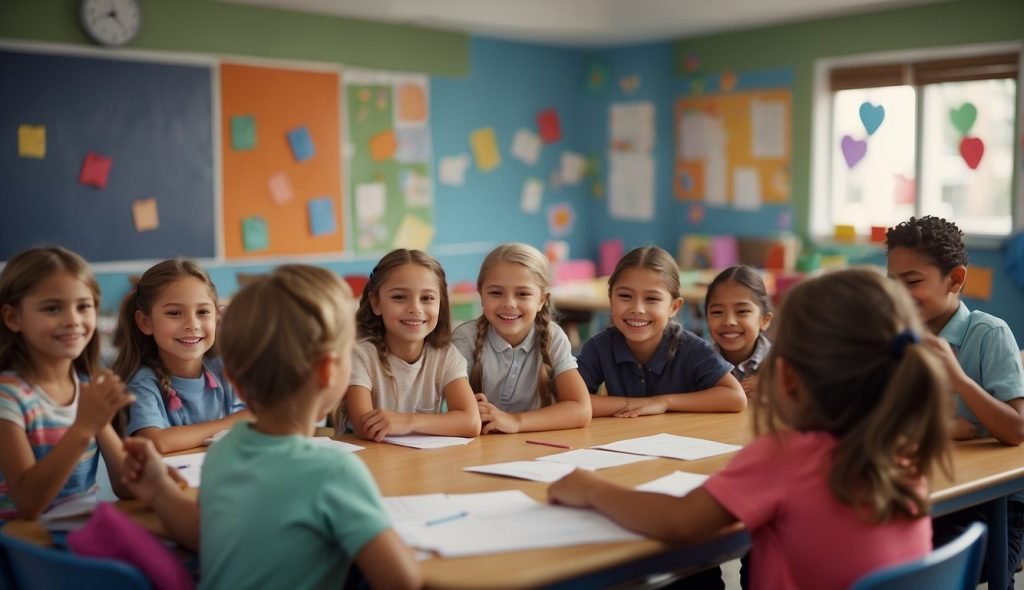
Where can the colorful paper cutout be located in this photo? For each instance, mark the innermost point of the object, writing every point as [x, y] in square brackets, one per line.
[383, 145]
[413, 234]
[694, 252]
[978, 284]
[845, 233]
[280, 188]
[95, 170]
[301, 144]
[871, 116]
[32, 141]
[548, 126]
[485, 149]
[608, 255]
[556, 251]
[412, 104]
[696, 214]
[728, 80]
[629, 84]
[255, 236]
[561, 218]
[243, 132]
[725, 251]
[452, 170]
[321, 216]
[416, 188]
[878, 233]
[526, 146]
[853, 150]
[145, 215]
[597, 76]
[971, 150]
[573, 167]
[532, 193]
[963, 117]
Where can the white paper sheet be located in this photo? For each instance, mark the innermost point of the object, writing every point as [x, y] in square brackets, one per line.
[526, 146]
[746, 188]
[693, 141]
[631, 186]
[189, 466]
[78, 505]
[340, 445]
[573, 167]
[532, 470]
[594, 459]
[427, 441]
[632, 126]
[452, 170]
[533, 193]
[672, 446]
[371, 201]
[768, 128]
[677, 483]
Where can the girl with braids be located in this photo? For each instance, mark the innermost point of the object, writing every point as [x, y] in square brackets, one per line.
[647, 362]
[519, 359]
[851, 417]
[55, 404]
[165, 335]
[404, 369]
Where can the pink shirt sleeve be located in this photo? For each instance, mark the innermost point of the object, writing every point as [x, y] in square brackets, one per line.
[752, 486]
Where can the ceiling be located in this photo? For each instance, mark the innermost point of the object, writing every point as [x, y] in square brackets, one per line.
[585, 22]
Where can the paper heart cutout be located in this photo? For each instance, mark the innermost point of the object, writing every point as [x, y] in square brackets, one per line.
[853, 150]
[871, 116]
[963, 117]
[971, 150]
[629, 84]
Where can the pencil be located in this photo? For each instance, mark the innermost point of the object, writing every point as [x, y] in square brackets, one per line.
[548, 444]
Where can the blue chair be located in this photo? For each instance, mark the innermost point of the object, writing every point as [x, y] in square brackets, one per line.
[38, 568]
[954, 566]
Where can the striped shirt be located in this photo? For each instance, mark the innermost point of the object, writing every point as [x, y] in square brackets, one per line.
[45, 423]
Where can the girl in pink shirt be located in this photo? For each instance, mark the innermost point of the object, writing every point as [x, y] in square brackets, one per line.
[852, 415]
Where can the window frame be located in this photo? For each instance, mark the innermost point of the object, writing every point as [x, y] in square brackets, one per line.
[820, 225]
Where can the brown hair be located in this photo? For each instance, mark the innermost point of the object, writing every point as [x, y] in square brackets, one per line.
[850, 338]
[938, 239]
[370, 326]
[20, 276]
[277, 327]
[537, 265]
[744, 276]
[136, 349]
[655, 259]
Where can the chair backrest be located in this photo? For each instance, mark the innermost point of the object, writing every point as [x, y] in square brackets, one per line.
[39, 568]
[954, 566]
[6, 575]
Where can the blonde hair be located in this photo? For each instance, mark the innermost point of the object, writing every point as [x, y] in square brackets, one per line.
[370, 326]
[136, 348]
[537, 265]
[655, 259]
[850, 338]
[277, 327]
[21, 276]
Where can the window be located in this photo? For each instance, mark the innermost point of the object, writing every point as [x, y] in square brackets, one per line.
[923, 137]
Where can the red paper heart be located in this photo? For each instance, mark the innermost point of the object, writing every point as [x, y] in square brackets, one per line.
[971, 150]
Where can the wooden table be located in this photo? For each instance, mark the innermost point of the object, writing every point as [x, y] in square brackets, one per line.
[984, 470]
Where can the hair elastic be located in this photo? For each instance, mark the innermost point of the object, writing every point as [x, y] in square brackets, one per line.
[899, 342]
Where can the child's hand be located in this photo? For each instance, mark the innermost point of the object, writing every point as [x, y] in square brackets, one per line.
[749, 385]
[642, 406]
[145, 473]
[962, 429]
[380, 423]
[574, 489]
[494, 419]
[99, 401]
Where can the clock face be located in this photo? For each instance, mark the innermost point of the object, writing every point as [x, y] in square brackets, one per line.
[111, 22]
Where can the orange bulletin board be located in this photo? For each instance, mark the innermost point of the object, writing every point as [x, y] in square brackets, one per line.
[734, 147]
[268, 184]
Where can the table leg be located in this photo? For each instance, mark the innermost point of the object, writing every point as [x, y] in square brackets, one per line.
[996, 555]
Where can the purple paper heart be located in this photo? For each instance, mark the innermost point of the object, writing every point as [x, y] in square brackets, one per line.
[853, 150]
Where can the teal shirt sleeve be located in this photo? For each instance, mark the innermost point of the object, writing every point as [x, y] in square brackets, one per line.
[351, 504]
[1001, 370]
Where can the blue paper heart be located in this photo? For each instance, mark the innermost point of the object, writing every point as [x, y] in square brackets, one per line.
[872, 117]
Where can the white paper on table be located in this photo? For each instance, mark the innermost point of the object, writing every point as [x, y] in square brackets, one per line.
[672, 446]
[340, 445]
[189, 466]
[526, 146]
[746, 188]
[418, 508]
[767, 128]
[573, 167]
[546, 472]
[72, 506]
[425, 441]
[533, 193]
[594, 459]
[677, 483]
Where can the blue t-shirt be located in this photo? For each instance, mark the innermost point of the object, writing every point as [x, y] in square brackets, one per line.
[207, 398]
[606, 358]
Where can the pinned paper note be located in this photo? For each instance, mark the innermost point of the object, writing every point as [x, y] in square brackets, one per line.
[533, 192]
[845, 233]
[485, 149]
[411, 103]
[413, 145]
[978, 284]
[878, 233]
[746, 186]
[452, 170]
[280, 188]
[561, 218]
[243, 132]
[301, 144]
[632, 126]
[768, 128]
[321, 217]
[631, 180]
[416, 188]
[32, 141]
[255, 236]
[556, 251]
[145, 215]
[95, 170]
[573, 167]
[526, 146]
[383, 145]
[548, 126]
[413, 234]
[371, 202]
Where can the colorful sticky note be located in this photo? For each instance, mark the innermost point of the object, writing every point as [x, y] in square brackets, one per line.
[533, 192]
[144, 214]
[321, 217]
[845, 233]
[254, 234]
[485, 149]
[561, 218]
[573, 167]
[413, 233]
[412, 103]
[32, 141]
[301, 144]
[383, 145]
[978, 284]
[280, 188]
[243, 132]
[878, 233]
[95, 170]
[548, 126]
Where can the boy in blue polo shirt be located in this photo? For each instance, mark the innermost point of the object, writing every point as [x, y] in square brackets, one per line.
[979, 351]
